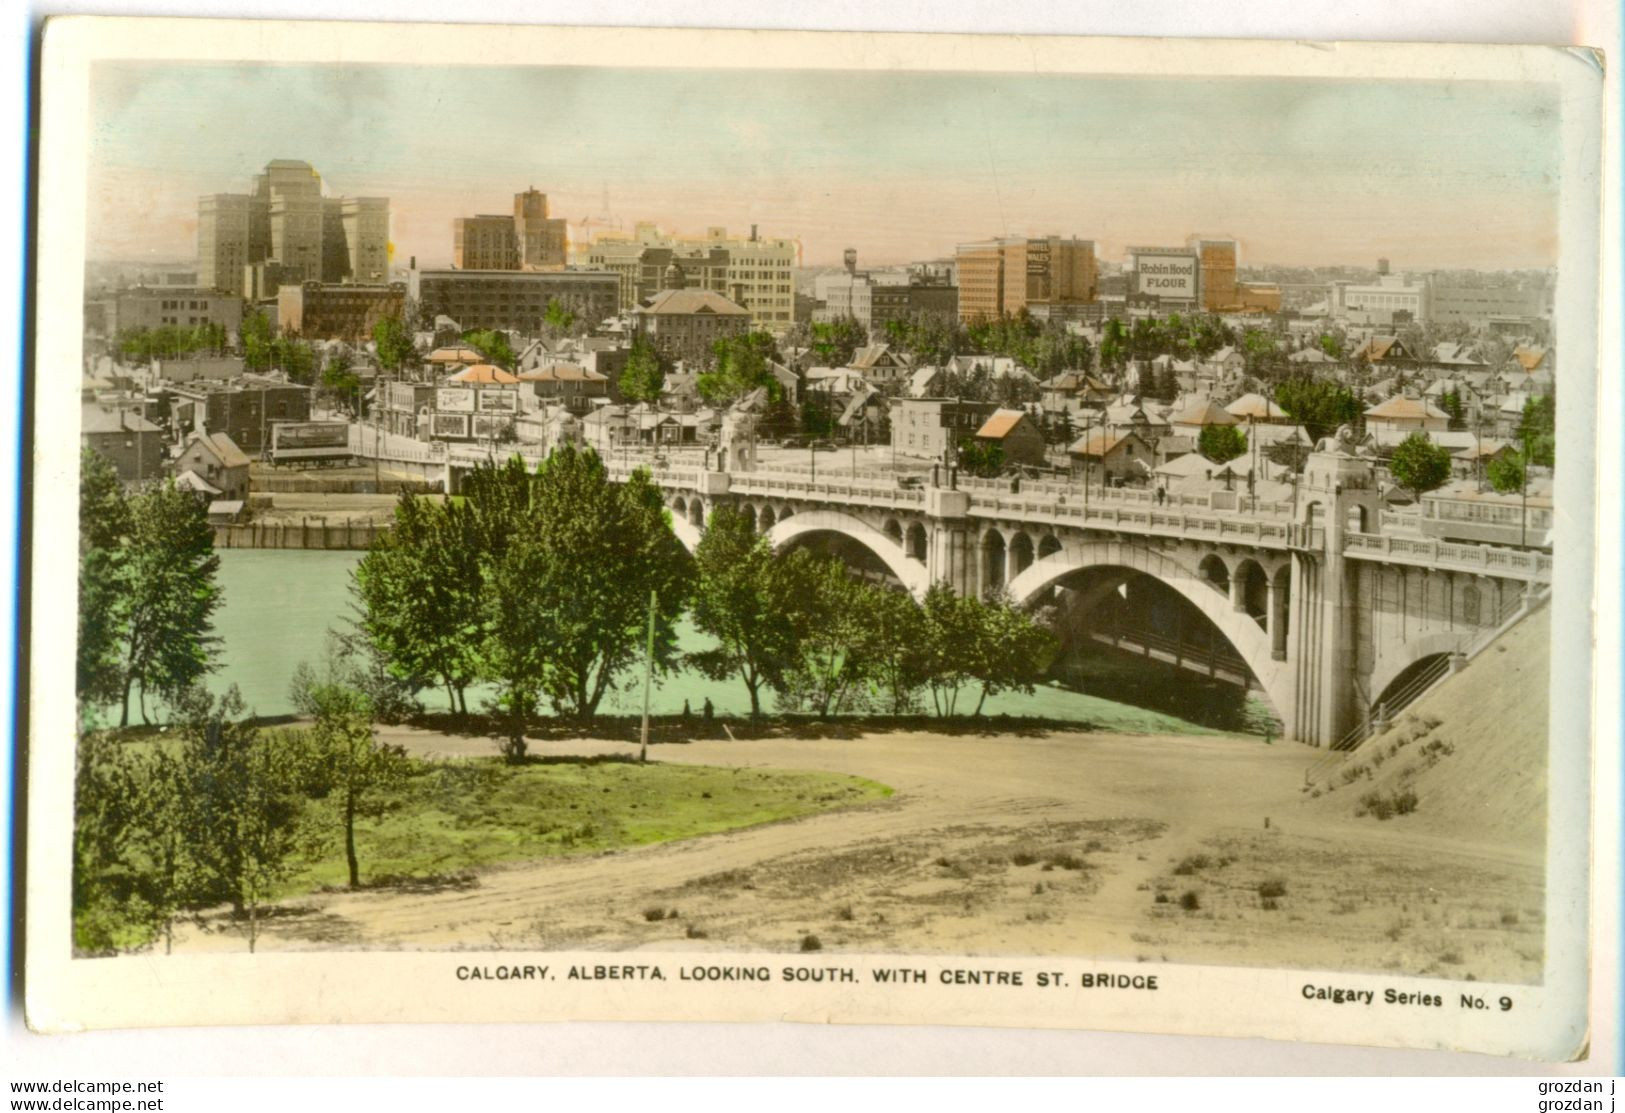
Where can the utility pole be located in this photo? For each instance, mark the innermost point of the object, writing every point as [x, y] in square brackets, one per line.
[648, 678]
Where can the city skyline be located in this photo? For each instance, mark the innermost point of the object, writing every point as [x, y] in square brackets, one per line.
[1428, 174]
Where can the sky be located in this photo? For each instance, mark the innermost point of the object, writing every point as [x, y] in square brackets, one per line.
[901, 166]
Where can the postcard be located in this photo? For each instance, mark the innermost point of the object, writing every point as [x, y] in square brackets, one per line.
[856, 528]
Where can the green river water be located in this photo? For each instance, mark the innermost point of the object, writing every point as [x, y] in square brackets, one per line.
[279, 604]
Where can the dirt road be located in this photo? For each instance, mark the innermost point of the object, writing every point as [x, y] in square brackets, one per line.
[1134, 847]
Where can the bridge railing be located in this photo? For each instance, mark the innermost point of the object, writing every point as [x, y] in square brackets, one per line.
[1449, 555]
[1275, 533]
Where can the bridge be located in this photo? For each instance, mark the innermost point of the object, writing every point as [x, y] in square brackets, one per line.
[1332, 610]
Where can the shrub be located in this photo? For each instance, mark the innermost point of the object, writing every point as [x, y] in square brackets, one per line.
[696, 932]
[653, 915]
[811, 943]
[1023, 859]
[1189, 900]
[845, 913]
[1192, 864]
[1274, 887]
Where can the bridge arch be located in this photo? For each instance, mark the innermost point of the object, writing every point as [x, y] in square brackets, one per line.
[1398, 657]
[918, 542]
[766, 519]
[748, 512]
[685, 531]
[1245, 636]
[912, 574]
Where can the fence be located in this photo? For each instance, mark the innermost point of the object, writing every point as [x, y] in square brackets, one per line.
[305, 534]
[271, 483]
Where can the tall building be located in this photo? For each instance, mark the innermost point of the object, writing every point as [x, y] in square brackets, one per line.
[1218, 260]
[528, 240]
[511, 299]
[288, 221]
[1001, 277]
[757, 272]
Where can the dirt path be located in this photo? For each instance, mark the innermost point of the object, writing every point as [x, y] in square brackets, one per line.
[1065, 844]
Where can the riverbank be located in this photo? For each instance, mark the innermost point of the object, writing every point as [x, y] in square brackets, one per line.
[1064, 844]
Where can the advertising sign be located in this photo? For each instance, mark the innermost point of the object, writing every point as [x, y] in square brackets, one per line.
[450, 425]
[454, 399]
[490, 426]
[1166, 276]
[499, 401]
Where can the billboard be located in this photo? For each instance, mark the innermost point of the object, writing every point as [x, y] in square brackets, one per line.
[499, 401]
[454, 399]
[454, 426]
[490, 427]
[1166, 275]
[309, 440]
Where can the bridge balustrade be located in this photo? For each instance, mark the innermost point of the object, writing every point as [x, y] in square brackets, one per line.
[1449, 556]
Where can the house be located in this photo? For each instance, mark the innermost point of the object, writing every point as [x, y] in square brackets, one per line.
[1257, 409]
[1227, 361]
[124, 438]
[483, 374]
[932, 427]
[216, 461]
[1404, 414]
[1109, 457]
[924, 382]
[1016, 434]
[454, 355]
[878, 363]
[1385, 351]
[1198, 412]
[567, 384]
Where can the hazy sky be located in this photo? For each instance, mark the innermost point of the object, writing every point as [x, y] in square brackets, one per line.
[900, 166]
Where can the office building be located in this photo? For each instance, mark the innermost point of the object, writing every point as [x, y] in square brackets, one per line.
[287, 220]
[512, 299]
[1002, 277]
[338, 311]
[529, 239]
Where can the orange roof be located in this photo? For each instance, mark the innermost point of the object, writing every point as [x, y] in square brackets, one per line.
[1401, 406]
[455, 354]
[1204, 413]
[998, 426]
[1529, 358]
[482, 373]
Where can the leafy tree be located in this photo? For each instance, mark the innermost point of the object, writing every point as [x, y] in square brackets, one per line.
[606, 548]
[742, 597]
[1114, 345]
[1507, 473]
[828, 620]
[1015, 651]
[104, 526]
[345, 758]
[419, 591]
[1332, 344]
[493, 346]
[557, 319]
[338, 375]
[1537, 431]
[891, 644]
[1221, 443]
[1418, 465]
[834, 343]
[644, 376]
[951, 647]
[985, 460]
[741, 366]
[394, 346]
[170, 567]
[257, 335]
[1450, 403]
[928, 338]
[1318, 405]
[239, 800]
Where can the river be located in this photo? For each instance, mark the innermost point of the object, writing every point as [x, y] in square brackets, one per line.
[279, 604]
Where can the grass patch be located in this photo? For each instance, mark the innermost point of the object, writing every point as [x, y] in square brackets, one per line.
[459, 815]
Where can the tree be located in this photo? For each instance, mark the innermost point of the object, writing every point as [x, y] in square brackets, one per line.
[345, 758]
[1537, 431]
[644, 376]
[1221, 443]
[338, 376]
[741, 366]
[493, 346]
[742, 598]
[394, 346]
[1450, 403]
[104, 526]
[951, 646]
[977, 458]
[1319, 406]
[890, 643]
[240, 801]
[1418, 465]
[257, 334]
[1012, 652]
[1507, 473]
[828, 617]
[557, 318]
[171, 594]
[834, 343]
[419, 596]
[605, 547]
